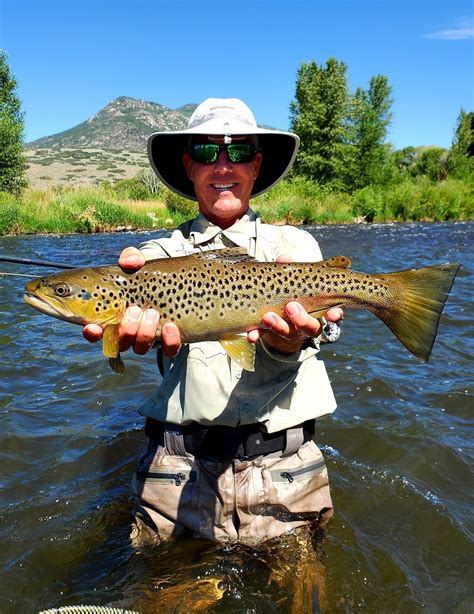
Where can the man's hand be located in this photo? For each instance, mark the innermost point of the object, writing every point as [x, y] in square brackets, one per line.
[138, 328]
[287, 335]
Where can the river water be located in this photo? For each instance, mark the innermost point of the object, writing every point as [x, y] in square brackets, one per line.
[398, 449]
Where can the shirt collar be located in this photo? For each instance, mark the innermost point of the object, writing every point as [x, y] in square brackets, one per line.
[204, 231]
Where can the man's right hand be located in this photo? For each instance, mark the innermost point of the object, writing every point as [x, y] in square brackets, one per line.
[138, 327]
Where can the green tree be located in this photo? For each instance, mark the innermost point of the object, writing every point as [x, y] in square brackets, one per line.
[430, 163]
[12, 154]
[404, 158]
[460, 163]
[368, 123]
[317, 116]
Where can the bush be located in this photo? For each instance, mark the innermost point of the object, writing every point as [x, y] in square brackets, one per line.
[368, 203]
[134, 189]
[9, 213]
[184, 208]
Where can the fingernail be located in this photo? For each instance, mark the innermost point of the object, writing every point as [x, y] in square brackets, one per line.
[134, 313]
[271, 319]
[150, 316]
[168, 328]
[292, 308]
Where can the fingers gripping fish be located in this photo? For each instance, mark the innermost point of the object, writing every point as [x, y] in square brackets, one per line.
[220, 295]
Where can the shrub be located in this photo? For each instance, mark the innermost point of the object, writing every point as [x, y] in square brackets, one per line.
[9, 213]
[177, 205]
[368, 203]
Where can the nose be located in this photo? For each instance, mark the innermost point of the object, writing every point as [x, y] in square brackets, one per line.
[223, 163]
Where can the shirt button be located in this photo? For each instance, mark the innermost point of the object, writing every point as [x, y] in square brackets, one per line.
[247, 408]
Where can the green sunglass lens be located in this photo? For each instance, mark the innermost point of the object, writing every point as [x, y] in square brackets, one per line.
[205, 153]
[208, 153]
[241, 153]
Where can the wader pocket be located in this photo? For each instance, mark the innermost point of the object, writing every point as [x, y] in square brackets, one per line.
[167, 487]
[304, 472]
[298, 487]
[167, 477]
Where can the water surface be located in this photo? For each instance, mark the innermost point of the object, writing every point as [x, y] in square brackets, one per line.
[398, 448]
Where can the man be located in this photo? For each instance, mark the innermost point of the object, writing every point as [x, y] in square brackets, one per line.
[231, 456]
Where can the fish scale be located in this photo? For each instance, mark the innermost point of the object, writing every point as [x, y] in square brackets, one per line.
[217, 296]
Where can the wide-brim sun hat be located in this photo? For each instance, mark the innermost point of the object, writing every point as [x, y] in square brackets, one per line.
[225, 117]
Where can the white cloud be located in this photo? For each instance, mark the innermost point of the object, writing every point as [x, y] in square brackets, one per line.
[463, 29]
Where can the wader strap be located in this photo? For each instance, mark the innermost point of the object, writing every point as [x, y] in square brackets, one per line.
[173, 440]
[294, 440]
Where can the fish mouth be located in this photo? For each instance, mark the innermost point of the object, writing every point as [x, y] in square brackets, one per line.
[50, 307]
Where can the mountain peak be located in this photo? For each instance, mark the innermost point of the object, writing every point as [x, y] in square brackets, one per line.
[124, 123]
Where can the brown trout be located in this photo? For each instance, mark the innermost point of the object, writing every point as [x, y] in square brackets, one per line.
[220, 295]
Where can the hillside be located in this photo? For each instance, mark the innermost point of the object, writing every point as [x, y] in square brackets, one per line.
[124, 124]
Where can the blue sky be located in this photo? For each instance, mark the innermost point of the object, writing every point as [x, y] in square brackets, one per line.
[73, 57]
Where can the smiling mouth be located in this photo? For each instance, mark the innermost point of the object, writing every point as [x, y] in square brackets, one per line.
[222, 187]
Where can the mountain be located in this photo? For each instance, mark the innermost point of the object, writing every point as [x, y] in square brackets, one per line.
[124, 124]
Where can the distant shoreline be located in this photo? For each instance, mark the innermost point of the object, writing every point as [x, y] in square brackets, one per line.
[128, 206]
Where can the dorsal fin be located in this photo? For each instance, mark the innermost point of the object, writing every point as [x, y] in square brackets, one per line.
[342, 262]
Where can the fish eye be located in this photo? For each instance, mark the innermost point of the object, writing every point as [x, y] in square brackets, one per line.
[62, 289]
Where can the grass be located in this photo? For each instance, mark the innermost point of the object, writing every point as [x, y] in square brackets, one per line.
[82, 210]
[129, 205]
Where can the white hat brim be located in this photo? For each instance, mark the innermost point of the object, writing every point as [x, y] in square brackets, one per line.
[166, 149]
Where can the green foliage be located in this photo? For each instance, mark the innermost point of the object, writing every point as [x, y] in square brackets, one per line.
[431, 163]
[460, 163]
[299, 200]
[296, 201]
[317, 116]
[404, 159]
[368, 204]
[12, 155]
[412, 200]
[184, 208]
[342, 136]
[370, 162]
[9, 214]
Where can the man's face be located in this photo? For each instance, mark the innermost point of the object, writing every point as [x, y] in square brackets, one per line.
[223, 189]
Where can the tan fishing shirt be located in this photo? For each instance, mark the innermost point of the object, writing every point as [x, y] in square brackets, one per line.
[201, 384]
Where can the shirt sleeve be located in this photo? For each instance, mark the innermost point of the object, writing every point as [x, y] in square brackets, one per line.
[300, 245]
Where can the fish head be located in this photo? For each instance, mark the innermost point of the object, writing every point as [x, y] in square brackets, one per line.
[80, 296]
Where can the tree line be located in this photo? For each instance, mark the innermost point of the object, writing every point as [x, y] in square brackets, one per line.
[344, 146]
[343, 135]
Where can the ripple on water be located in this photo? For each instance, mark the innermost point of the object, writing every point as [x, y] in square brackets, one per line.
[398, 450]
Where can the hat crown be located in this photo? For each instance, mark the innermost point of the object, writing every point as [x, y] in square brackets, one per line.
[228, 110]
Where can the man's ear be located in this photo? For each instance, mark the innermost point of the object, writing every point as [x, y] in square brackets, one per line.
[188, 165]
[257, 163]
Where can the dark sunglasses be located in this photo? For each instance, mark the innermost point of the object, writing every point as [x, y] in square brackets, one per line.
[208, 153]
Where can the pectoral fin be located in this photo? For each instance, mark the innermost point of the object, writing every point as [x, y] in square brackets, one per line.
[240, 350]
[110, 348]
[110, 345]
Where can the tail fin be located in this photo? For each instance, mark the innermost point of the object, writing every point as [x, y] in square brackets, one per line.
[420, 298]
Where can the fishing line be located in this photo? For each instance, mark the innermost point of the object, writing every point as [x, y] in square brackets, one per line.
[17, 274]
[56, 265]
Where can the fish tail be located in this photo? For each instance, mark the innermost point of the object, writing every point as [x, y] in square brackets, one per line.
[414, 315]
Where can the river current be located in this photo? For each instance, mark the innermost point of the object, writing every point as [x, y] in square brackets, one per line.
[398, 449]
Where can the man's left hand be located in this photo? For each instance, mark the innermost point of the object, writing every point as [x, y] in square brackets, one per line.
[287, 335]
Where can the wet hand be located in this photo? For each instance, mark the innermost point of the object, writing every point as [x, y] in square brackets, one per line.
[138, 327]
[287, 334]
